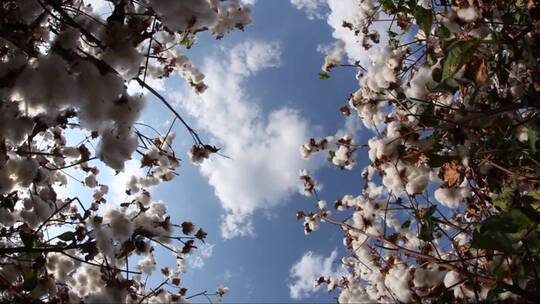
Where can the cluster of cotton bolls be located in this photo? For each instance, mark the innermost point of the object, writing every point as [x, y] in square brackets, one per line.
[64, 73]
[421, 202]
[217, 16]
[342, 150]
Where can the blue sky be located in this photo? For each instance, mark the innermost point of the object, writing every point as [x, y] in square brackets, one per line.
[264, 101]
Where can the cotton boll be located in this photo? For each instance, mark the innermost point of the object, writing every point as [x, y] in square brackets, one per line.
[88, 280]
[122, 227]
[68, 39]
[97, 94]
[419, 83]
[449, 21]
[14, 126]
[451, 197]
[230, 15]
[6, 183]
[381, 72]
[126, 111]
[29, 10]
[108, 294]
[90, 180]
[425, 4]
[335, 57]
[147, 264]
[468, 14]
[49, 87]
[452, 278]
[397, 280]
[178, 15]
[60, 266]
[116, 146]
[417, 180]
[522, 133]
[429, 276]
[23, 170]
[7, 218]
[100, 192]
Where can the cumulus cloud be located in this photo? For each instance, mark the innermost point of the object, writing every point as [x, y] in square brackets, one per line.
[197, 260]
[312, 8]
[263, 148]
[307, 269]
[344, 10]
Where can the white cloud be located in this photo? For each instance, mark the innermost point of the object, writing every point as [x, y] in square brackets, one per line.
[312, 8]
[197, 259]
[251, 2]
[344, 10]
[311, 266]
[264, 149]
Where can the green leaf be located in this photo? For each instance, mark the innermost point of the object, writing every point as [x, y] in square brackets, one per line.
[427, 118]
[426, 230]
[430, 211]
[67, 236]
[392, 34]
[457, 55]
[494, 292]
[187, 42]
[27, 239]
[514, 222]
[331, 155]
[436, 160]
[505, 199]
[406, 224]
[424, 18]
[30, 280]
[443, 32]
[492, 240]
[324, 75]
[427, 227]
[388, 5]
[533, 139]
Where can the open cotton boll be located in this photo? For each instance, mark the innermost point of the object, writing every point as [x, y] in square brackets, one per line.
[122, 226]
[23, 170]
[147, 264]
[354, 293]
[420, 82]
[88, 280]
[60, 266]
[230, 15]
[468, 14]
[178, 15]
[431, 275]
[451, 197]
[125, 111]
[397, 280]
[522, 133]
[335, 56]
[90, 180]
[116, 146]
[14, 126]
[48, 86]
[417, 180]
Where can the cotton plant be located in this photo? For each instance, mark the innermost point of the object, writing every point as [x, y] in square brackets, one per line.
[449, 210]
[64, 69]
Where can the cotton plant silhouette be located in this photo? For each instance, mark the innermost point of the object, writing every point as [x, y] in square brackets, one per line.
[449, 208]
